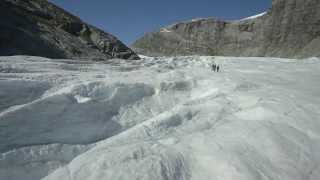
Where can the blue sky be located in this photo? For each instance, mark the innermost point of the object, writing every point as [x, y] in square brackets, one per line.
[130, 19]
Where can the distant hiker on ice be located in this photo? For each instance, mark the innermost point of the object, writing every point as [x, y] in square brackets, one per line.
[215, 68]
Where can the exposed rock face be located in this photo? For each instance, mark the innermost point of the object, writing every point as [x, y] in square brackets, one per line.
[288, 29]
[39, 28]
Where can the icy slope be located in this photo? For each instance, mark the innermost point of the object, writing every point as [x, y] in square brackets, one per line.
[160, 118]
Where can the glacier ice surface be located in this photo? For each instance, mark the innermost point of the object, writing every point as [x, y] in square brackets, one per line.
[164, 118]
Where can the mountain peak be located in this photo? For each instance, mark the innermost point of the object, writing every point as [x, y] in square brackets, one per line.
[288, 29]
[40, 28]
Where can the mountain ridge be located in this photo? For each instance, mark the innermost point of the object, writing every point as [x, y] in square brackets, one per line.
[40, 28]
[288, 29]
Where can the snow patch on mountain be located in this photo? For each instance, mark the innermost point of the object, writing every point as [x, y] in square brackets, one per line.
[254, 17]
[165, 30]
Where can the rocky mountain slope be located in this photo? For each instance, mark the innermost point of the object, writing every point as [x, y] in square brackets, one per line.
[39, 28]
[288, 29]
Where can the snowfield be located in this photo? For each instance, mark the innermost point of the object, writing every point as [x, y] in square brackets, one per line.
[160, 119]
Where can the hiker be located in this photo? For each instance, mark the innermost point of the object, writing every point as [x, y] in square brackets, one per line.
[218, 68]
[214, 67]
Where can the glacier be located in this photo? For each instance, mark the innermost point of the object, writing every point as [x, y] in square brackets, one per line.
[160, 118]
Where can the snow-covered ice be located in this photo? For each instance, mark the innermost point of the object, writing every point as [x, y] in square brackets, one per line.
[165, 118]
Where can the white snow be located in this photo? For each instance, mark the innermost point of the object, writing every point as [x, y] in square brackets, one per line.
[165, 30]
[199, 19]
[168, 118]
[254, 17]
[143, 56]
[81, 99]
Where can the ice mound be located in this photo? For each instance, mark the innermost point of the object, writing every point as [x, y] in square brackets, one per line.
[17, 92]
[116, 93]
[34, 162]
[142, 162]
[179, 86]
[7, 68]
[60, 118]
[247, 86]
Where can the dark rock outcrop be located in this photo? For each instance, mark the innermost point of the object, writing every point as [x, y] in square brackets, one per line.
[39, 28]
[291, 28]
